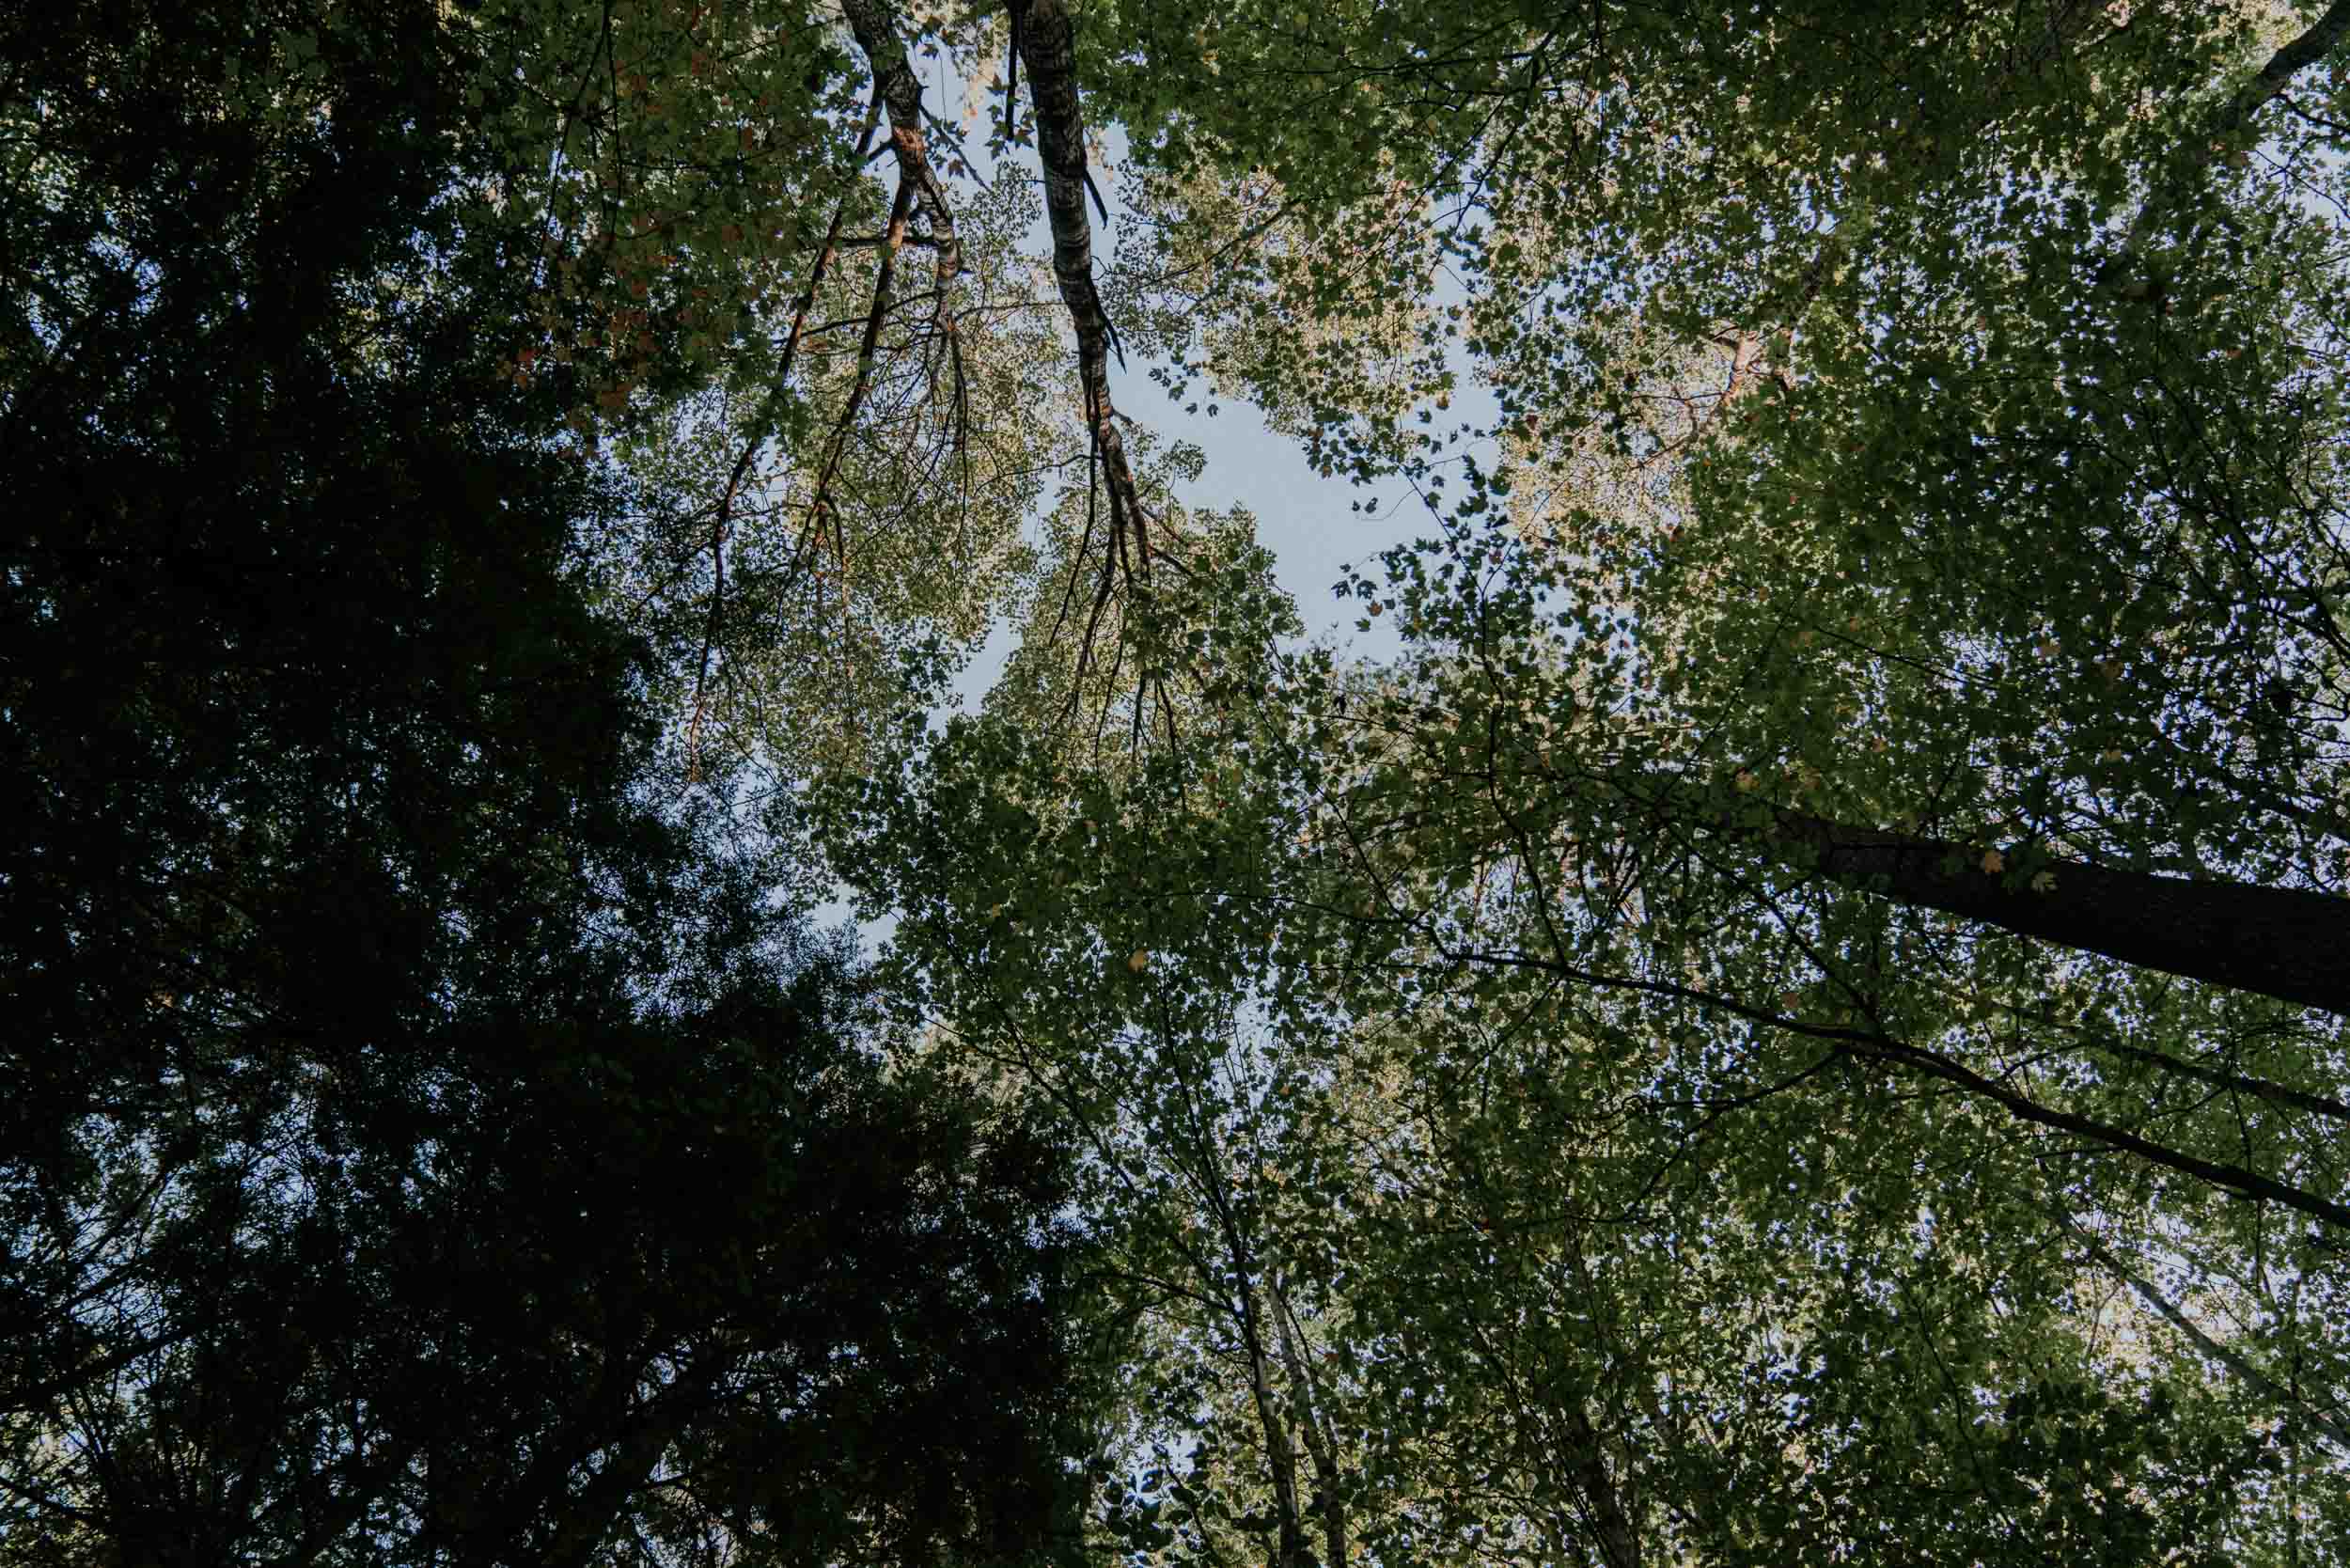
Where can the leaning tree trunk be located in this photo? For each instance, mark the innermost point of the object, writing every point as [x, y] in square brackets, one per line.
[2283, 942]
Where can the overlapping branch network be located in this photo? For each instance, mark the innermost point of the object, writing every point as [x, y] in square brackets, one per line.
[926, 342]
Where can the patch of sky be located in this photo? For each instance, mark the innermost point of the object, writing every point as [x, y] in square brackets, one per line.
[1315, 527]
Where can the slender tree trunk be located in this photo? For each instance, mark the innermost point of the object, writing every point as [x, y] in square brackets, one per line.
[1047, 53]
[1320, 1443]
[1619, 1542]
[1280, 1459]
[2296, 1411]
[1215, 1186]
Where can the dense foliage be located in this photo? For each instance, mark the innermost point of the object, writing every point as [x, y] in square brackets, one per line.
[1798, 1018]
[425, 1139]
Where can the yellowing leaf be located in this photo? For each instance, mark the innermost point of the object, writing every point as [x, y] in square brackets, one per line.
[1993, 862]
[1141, 961]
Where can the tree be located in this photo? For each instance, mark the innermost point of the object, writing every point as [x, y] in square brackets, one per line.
[1584, 1268]
[1930, 729]
[426, 1140]
[1814, 976]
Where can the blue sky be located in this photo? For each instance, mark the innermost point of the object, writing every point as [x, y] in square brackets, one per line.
[1310, 524]
[1307, 522]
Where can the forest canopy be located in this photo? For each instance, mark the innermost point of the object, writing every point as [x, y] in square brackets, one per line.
[1794, 1014]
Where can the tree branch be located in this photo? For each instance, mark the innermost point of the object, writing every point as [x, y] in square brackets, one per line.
[2228, 131]
[2295, 1411]
[1047, 47]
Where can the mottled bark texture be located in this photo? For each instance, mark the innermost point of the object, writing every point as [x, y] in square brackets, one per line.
[1047, 52]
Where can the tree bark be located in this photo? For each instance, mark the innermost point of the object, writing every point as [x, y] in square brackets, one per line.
[2283, 942]
[1619, 1542]
[875, 24]
[1320, 1443]
[1047, 52]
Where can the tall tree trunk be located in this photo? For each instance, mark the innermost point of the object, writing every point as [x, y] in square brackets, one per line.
[2280, 942]
[1280, 1459]
[1321, 1442]
[1047, 53]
